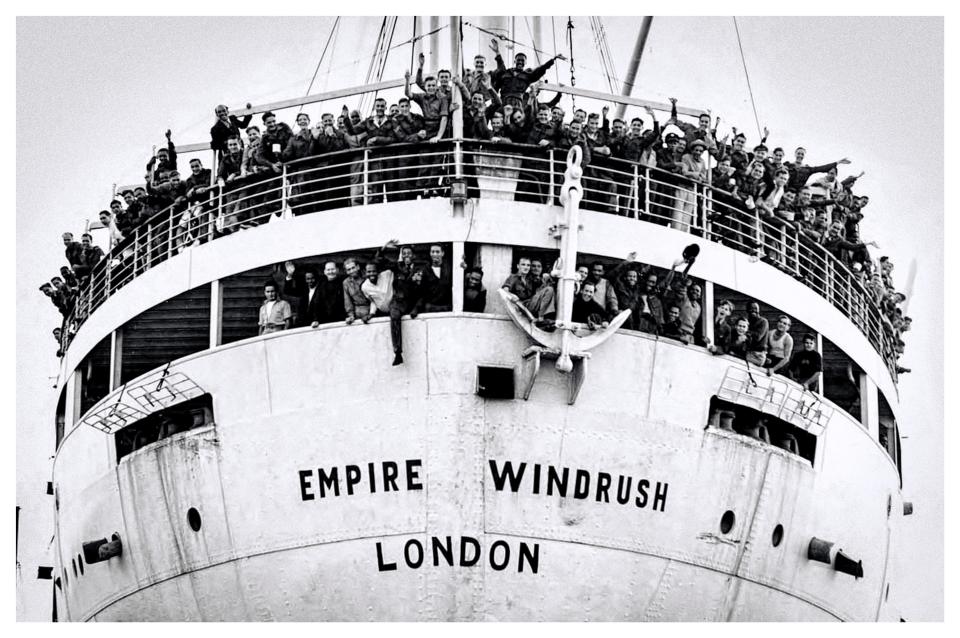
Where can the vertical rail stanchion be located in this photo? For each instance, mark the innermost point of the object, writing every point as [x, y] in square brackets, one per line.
[635, 192]
[707, 196]
[700, 207]
[219, 214]
[550, 199]
[170, 216]
[283, 190]
[646, 190]
[365, 193]
[136, 250]
[796, 252]
[108, 269]
[89, 297]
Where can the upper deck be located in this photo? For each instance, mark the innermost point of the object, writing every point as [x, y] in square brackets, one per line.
[470, 172]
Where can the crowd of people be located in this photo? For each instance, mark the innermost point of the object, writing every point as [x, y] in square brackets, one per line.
[392, 284]
[758, 198]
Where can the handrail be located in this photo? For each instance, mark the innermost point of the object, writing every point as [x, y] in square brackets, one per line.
[356, 176]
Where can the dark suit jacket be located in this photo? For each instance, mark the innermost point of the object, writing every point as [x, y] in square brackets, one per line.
[308, 310]
[437, 291]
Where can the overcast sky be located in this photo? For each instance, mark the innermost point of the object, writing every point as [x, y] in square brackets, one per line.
[95, 94]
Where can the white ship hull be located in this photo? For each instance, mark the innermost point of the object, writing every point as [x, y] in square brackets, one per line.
[292, 405]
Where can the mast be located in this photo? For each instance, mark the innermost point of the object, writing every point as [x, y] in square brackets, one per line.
[456, 68]
[496, 24]
[634, 63]
[433, 61]
[539, 39]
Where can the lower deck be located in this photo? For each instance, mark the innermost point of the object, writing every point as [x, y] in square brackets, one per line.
[626, 505]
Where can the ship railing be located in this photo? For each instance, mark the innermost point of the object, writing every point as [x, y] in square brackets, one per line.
[502, 170]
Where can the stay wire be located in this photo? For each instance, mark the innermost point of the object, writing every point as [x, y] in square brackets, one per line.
[502, 37]
[336, 23]
[553, 32]
[743, 60]
[573, 78]
[611, 61]
[333, 51]
[584, 68]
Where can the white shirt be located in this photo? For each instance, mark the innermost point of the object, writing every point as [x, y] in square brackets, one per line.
[380, 293]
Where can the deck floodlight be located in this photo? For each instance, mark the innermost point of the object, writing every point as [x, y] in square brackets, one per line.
[458, 191]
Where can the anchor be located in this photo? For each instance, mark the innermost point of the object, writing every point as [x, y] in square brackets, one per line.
[569, 343]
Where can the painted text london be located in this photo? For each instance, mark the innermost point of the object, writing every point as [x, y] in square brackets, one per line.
[545, 480]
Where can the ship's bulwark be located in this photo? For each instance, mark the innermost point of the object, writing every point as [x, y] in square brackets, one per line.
[343, 488]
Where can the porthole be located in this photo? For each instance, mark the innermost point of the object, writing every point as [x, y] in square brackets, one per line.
[193, 518]
[727, 521]
[80, 563]
[65, 579]
[777, 535]
[73, 561]
[886, 596]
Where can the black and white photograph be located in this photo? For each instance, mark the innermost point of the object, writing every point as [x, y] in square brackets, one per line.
[515, 318]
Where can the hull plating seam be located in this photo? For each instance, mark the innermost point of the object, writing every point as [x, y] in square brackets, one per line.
[305, 545]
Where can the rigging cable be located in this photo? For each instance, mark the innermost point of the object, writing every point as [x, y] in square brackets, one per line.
[594, 30]
[573, 77]
[611, 62]
[381, 63]
[333, 50]
[336, 23]
[749, 88]
[553, 32]
[413, 41]
[503, 38]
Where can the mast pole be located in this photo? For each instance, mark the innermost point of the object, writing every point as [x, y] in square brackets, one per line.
[634, 63]
[539, 41]
[434, 40]
[456, 68]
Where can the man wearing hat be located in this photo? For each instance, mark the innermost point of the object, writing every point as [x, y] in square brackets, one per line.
[664, 199]
[701, 131]
[693, 168]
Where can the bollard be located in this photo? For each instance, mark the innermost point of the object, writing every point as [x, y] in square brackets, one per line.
[726, 420]
[787, 442]
[758, 431]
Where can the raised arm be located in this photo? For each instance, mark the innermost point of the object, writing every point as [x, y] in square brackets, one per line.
[541, 70]
[419, 78]
[243, 122]
[172, 148]
[463, 89]
[406, 85]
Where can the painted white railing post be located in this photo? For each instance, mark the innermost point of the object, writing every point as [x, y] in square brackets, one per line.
[284, 188]
[365, 194]
[646, 190]
[170, 234]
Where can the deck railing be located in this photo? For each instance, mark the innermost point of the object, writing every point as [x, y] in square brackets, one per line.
[505, 171]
